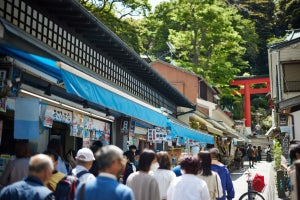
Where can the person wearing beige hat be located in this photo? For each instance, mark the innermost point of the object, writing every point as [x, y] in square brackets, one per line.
[84, 159]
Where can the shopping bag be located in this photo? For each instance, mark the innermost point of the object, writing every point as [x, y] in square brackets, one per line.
[258, 183]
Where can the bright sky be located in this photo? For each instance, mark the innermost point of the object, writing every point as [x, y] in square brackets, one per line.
[155, 2]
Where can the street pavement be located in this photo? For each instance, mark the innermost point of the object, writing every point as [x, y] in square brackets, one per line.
[263, 168]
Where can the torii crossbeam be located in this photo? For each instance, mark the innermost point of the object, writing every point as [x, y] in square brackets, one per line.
[248, 83]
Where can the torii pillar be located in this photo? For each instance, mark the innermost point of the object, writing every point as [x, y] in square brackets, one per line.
[248, 82]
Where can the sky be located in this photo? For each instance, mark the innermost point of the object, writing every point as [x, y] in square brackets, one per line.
[155, 2]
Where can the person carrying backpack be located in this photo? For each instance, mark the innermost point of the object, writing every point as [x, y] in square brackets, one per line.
[66, 188]
[84, 159]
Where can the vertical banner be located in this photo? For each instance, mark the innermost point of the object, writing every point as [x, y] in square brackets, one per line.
[26, 124]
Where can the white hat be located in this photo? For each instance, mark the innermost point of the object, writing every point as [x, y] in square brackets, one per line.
[85, 154]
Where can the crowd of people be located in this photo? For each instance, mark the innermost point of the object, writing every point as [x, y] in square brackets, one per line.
[109, 173]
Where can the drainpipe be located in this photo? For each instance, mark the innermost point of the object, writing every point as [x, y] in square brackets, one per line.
[278, 80]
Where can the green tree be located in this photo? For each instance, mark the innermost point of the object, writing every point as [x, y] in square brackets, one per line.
[287, 16]
[261, 13]
[206, 37]
[115, 15]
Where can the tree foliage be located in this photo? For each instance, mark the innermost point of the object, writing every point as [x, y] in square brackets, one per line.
[216, 39]
[114, 14]
[209, 38]
[287, 16]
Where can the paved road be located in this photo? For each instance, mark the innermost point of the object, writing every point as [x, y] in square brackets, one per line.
[263, 168]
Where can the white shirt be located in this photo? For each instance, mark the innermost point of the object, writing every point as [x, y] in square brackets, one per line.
[164, 178]
[188, 187]
[85, 177]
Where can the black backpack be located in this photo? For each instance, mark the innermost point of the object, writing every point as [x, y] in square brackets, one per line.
[66, 187]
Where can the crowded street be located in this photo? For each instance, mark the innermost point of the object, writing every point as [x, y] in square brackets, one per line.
[149, 100]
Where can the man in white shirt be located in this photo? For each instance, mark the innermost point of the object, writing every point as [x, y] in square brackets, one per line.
[84, 159]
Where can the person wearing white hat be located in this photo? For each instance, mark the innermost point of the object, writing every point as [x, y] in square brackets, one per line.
[84, 159]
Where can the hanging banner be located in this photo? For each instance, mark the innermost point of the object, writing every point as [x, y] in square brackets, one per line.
[26, 124]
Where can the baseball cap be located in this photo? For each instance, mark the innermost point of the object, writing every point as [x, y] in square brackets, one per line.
[85, 154]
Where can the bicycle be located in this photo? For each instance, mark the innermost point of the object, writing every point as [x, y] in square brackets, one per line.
[251, 194]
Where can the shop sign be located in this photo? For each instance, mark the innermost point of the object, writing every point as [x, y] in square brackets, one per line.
[140, 130]
[50, 114]
[157, 135]
[283, 119]
[125, 125]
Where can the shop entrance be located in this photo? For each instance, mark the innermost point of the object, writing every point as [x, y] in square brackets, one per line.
[61, 131]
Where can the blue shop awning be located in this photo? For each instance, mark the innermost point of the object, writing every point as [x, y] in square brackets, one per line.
[184, 131]
[92, 89]
[96, 91]
[43, 64]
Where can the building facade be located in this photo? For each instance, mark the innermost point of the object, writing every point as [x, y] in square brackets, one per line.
[284, 68]
[79, 81]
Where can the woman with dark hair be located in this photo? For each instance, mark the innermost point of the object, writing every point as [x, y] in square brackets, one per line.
[55, 145]
[130, 167]
[164, 175]
[211, 178]
[17, 169]
[144, 186]
[188, 186]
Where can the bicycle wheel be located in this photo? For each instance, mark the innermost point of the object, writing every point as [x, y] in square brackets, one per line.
[254, 196]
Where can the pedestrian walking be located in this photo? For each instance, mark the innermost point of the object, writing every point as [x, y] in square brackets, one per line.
[259, 153]
[84, 159]
[105, 186]
[237, 158]
[164, 175]
[211, 178]
[130, 167]
[144, 186]
[268, 152]
[243, 150]
[56, 176]
[223, 172]
[55, 145]
[255, 154]
[33, 186]
[95, 147]
[17, 169]
[251, 155]
[188, 186]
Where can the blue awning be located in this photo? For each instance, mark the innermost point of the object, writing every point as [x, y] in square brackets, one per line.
[184, 131]
[90, 90]
[43, 64]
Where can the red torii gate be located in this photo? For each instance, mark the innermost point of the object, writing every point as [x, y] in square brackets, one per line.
[247, 82]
